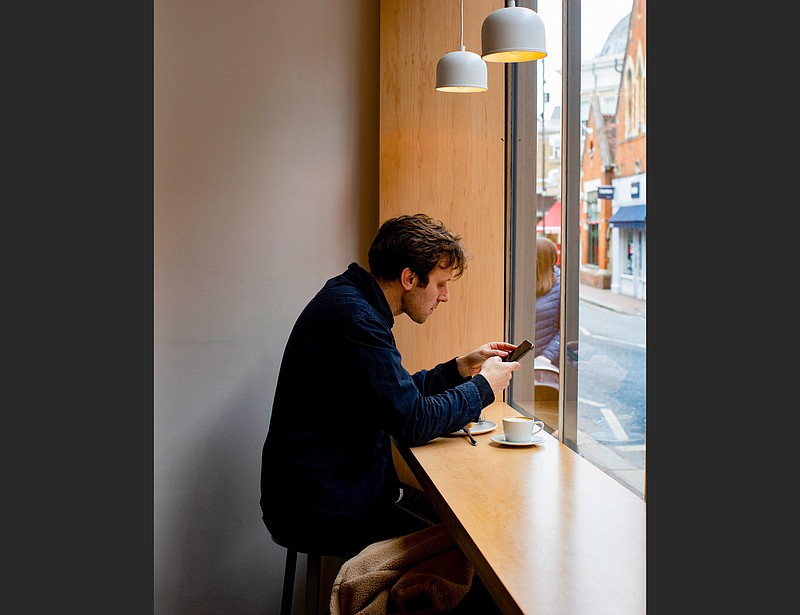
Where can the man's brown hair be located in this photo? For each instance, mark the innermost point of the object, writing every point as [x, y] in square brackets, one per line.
[418, 242]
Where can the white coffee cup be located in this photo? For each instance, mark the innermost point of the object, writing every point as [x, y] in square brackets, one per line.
[521, 428]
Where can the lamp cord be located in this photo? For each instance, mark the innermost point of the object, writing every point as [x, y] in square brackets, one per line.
[463, 48]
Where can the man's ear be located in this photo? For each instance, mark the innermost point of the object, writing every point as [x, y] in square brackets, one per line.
[407, 278]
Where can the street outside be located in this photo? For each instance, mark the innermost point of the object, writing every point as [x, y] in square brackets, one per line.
[612, 400]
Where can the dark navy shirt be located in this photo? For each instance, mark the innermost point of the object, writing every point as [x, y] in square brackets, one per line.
[342, 392]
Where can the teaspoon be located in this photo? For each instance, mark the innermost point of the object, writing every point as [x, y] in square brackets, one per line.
[472, 440]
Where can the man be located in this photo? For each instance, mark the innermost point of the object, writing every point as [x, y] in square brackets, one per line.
[327, 477]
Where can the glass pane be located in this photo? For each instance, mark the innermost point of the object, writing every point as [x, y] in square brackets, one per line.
[595, 392]
[610, 355]
[547, 314]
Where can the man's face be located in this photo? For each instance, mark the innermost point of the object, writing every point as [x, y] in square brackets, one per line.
[419, 303]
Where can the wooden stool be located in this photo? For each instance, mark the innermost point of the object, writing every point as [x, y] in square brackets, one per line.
[313, 573]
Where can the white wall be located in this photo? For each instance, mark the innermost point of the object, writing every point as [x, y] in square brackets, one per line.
[266, 185]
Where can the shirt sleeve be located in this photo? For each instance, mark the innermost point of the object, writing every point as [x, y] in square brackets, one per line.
[446, 375]
[413, 409]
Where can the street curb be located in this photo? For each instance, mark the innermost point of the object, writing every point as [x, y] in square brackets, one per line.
[616, 307]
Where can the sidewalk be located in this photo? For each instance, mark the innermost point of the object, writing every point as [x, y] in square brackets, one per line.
[613, 301]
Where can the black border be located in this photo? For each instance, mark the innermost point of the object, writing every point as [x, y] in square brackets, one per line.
[703, 321]
[79, 240]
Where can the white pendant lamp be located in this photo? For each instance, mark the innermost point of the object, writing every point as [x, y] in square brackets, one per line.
[513, 34]
[461, 71]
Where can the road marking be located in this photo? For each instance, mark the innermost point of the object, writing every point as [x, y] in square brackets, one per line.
[633, 448]
[614, 340]
[614, 424]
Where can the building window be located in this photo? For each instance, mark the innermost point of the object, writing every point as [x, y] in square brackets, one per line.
[627, 251]
[592, 207]
[592, 243]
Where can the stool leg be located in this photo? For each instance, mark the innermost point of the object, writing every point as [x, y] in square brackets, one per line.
[288, 582]
[313, 572]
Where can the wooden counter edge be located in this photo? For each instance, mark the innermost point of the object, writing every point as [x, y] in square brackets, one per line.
[482, 568]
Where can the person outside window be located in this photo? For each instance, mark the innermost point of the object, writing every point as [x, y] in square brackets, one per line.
[548, 302]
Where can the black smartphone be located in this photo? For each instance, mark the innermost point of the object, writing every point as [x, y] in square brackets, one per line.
[520, 351]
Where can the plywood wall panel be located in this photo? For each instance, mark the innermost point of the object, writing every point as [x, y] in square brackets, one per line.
[443, 154]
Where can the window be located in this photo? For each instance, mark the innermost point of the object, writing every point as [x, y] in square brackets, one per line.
[593, 397]
[627, 261]
[592, 243]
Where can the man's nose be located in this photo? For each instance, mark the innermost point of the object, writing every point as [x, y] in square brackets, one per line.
[444, 295]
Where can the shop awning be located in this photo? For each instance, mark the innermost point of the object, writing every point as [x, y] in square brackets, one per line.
[552, 219]
[630, 216]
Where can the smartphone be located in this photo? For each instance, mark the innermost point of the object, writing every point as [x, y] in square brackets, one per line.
[520, 351]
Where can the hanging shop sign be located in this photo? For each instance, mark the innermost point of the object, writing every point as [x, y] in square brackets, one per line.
[605, 192]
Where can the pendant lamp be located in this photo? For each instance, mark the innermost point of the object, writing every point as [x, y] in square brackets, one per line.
[513, 34]
[461, 71]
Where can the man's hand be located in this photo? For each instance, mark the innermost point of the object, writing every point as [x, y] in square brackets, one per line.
[471, 363]
[498, 373]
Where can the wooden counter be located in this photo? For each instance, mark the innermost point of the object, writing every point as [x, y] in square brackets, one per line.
[547, 532]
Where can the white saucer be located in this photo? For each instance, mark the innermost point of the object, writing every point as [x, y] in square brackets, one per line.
[477, 428]
[501, 439]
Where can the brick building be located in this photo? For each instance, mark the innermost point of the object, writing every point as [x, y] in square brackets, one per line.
[614, 177]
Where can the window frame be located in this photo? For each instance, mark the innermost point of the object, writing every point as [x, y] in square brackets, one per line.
[521, 201]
